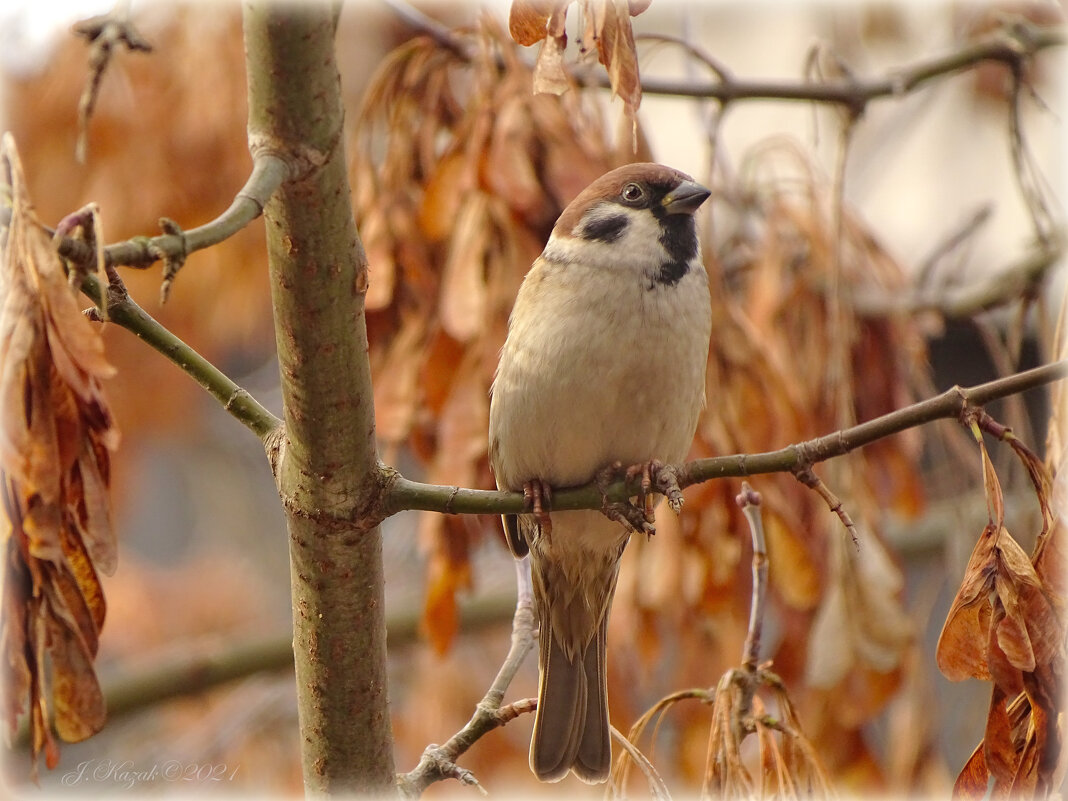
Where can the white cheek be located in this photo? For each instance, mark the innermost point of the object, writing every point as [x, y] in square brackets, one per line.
[636, 249]
[639, 246]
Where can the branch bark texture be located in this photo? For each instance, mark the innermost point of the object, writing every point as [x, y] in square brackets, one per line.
[326, 465]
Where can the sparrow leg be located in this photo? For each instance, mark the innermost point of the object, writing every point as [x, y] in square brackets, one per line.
[633, 517]
[538, 496]
[642, 474]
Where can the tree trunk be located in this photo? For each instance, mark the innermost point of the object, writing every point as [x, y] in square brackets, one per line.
[327, 466]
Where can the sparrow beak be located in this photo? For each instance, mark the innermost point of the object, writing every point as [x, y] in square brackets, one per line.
[685, 199]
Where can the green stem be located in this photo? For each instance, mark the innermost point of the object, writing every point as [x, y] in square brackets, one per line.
[125, 312]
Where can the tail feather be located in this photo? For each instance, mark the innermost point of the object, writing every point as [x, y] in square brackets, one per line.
[593, 761]
[571, 725]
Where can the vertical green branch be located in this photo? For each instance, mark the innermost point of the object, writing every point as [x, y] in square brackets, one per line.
[326, 467]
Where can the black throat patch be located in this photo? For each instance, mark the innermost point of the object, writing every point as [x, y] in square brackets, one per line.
[678, 235]
[670, 273]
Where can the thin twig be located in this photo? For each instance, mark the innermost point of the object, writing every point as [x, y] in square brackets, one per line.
[807, 477]
[974, 295]
[956, 238]
[124, 311]
[268, 173]
[103, 33]
[439, 761]
[657, 786]
[749, 501]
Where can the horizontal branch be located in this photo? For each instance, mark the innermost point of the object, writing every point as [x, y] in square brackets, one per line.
[268, 172]
[1011, 45]
[1011, 283]
[403, 493]
[194, 671]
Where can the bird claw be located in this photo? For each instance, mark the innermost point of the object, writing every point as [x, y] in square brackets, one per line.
[538, 497]
[648, 480]
[665, 477]
[631, 516]
[637, 517]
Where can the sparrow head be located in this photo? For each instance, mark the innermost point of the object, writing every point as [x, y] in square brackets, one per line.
[638, 215]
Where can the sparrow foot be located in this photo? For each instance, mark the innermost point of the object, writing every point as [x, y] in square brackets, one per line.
[654, 477]
[665, 478]
[636, 517]
[538, 497]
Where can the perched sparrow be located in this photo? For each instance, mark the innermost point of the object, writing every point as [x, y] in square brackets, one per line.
[604, 363]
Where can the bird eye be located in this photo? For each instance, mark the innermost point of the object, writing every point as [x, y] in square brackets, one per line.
[632, 193]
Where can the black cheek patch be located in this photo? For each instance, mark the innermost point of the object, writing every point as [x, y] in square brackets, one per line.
[605, 229]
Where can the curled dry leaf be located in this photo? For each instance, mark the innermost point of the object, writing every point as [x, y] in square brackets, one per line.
[968, 620]
[463, 282]
[55, 444]
[550, 74]
[528, 20]
[1007, 625]
[860, 633]
[606, 26]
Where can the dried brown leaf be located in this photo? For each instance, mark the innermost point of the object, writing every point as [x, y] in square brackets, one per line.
[550, 75]
[511, 163]
[793, 572]
[862, 631]
[968, 621]
[529, 19]
[382, 267]
[463, 282]
[397, 390]
[972, 782]
[79, 703]
[55, 463]
[1029, 634]
[447, 575]
[616, 50]
[995, 499]
[450, 182]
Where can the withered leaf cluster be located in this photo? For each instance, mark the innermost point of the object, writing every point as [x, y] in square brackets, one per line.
[55, 443]
[606, 27]
[1007, 626]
